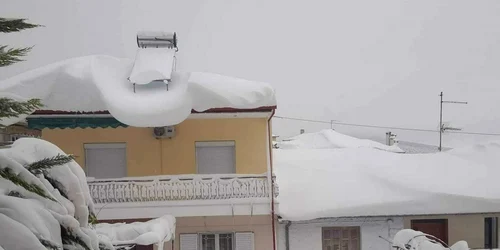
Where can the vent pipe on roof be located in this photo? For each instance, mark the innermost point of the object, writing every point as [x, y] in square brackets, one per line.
[390, 138]
[302, 131]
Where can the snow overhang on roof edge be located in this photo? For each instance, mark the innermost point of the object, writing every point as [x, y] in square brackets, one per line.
[105, 112]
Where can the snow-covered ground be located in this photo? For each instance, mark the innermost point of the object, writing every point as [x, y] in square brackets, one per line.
[95, 83]
[53, 207]
[329, 138]
[364, 181]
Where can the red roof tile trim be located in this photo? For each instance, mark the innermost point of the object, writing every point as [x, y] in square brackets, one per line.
[103, 112]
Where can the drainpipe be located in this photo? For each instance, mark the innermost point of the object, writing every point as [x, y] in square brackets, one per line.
[271, 181]
[389, 226]
[287, 234]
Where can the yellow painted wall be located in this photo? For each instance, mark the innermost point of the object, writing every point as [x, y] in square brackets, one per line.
[468, 227]
[147, 155]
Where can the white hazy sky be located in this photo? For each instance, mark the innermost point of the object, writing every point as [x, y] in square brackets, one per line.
[378, 62]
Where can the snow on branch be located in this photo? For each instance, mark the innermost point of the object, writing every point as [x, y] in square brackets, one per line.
[45, 204]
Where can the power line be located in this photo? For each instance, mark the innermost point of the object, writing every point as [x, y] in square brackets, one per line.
[383, 127]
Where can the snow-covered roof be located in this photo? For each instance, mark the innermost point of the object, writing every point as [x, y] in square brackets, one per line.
[318, 183]
[94, 83]
[330, 138]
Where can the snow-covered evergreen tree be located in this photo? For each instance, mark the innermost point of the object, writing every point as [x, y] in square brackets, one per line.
[44, 198]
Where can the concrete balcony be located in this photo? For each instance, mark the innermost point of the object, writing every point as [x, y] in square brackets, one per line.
[181, 195]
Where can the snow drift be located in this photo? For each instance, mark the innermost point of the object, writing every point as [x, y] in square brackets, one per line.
[95, 83]
[408, 239]
[316, 183]
[143, 233]
[37, 210]
[329, 138]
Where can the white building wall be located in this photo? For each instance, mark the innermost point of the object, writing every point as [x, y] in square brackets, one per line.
[307, 235]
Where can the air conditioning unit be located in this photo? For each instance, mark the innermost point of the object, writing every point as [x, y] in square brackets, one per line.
[164, 132]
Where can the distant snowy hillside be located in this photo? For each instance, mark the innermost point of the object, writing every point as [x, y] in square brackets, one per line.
[329, 138]
[95, 83]
[370, 182]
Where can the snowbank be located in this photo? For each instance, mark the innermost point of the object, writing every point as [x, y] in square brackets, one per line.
[316, 183]
[95, 83]
[53, 206]
[329, 138]
[415, 240]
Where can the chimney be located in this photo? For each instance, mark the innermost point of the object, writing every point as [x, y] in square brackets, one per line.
[302, 131]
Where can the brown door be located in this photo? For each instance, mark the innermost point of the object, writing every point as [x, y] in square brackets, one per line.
[437, 228]
[137, 247]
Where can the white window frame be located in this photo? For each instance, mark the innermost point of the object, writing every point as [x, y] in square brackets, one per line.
[200, 238]
[214, 144]
[114, 145]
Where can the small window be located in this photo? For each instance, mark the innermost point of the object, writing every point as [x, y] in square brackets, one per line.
[107, 160]
[341, 238]
[490, 232]
[223, 241]
[215, 157]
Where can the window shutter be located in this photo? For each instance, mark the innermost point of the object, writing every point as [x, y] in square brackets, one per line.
[106, 160]
[244, 241]
[215, 157]
[188, 241]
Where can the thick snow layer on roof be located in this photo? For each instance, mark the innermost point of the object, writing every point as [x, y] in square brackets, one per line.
[329, 138]
[29, 218]
[316, 183]
[94, 83]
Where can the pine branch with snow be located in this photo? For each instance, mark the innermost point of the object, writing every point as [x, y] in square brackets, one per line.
[8, 25]
[37, 167]
[10, 108]
[8, 174]
[10, 56]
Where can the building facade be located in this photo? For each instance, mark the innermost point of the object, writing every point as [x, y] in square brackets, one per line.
[212, 172]
[480, 231]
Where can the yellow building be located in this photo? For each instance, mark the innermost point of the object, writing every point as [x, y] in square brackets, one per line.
[211, 172]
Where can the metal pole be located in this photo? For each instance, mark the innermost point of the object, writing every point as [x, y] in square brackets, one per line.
[440, 120]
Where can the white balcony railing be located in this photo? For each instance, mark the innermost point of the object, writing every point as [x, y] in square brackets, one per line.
[179, 188]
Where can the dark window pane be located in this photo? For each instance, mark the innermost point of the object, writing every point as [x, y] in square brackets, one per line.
[208, 242]
[327, 234]
[354, 233]
[336, 233]
[225, 241]
[345, 234]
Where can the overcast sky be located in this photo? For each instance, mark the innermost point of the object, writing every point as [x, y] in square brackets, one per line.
[371, 62]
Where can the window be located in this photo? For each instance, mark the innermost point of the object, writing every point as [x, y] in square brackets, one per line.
[215, 157]
[437, 228]
[490, 232]
[341, 238]
[106, 160]
[216, 241]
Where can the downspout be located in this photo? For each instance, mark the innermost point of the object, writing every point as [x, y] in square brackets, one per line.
[287, 234]
[271, 180]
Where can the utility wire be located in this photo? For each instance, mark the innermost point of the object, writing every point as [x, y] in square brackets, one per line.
[384, 127]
